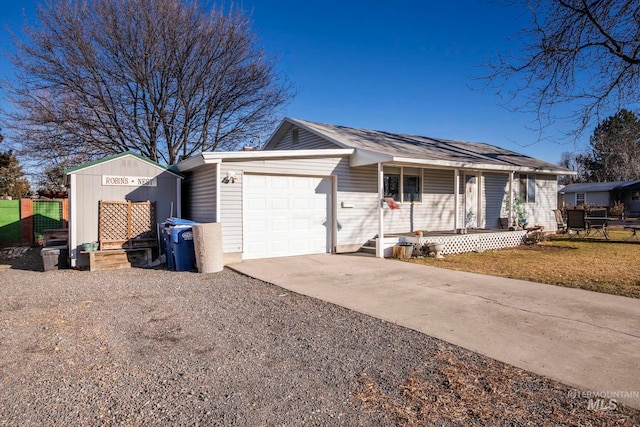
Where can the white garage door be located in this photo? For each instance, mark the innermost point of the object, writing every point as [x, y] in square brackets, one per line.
[286, 215]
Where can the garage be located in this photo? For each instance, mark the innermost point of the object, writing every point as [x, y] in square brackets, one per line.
[286, 215]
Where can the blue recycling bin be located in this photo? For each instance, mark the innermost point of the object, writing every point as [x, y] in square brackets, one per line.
[165, 231]
[178, 238]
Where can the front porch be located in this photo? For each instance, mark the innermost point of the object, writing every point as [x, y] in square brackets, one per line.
[475, 240]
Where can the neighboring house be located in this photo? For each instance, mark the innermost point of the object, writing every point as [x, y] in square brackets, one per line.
[603, 194]
[322, 188]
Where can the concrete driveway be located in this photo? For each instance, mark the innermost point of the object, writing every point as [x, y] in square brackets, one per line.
[584, 339]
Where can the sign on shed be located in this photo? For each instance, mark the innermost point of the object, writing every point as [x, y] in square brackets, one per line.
[134, 181]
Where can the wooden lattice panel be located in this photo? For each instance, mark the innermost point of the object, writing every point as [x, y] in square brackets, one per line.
[113, 220]
[143, 220]
[127, 224]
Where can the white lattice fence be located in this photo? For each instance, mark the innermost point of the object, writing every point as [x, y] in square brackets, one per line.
[476, 242]
[461, 243]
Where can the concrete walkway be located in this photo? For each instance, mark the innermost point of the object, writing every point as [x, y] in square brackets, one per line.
[584, 339]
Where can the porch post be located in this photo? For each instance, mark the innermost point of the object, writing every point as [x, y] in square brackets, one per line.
[511, 197]
[480, 193]
[379, 248]
[456, 199]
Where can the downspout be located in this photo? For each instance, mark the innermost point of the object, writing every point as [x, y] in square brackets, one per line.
[379, 247]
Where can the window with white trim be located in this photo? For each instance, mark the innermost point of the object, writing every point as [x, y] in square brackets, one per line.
[528, 188]
[581, 198]
[403, 184]
[635, 195]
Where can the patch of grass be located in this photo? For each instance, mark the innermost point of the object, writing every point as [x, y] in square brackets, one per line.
[611, 267]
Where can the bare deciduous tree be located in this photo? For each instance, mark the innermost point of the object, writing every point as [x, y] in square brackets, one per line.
[581, 53]
[568, 160]
[163, 78]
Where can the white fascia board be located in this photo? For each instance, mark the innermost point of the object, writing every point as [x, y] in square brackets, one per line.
[482, 166]
[365, 158]
[239, 156]
[215, 157]
[194, 162]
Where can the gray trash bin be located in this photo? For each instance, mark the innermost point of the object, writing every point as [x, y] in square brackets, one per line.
[55, 258]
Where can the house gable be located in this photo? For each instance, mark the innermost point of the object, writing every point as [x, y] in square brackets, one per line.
[291, 137]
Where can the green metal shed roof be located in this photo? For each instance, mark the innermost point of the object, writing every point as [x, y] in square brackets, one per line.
[116, 156]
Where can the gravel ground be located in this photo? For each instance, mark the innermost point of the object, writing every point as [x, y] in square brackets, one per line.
[154, 347]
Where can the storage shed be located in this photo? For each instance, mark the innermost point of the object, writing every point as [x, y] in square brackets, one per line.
[118, 201]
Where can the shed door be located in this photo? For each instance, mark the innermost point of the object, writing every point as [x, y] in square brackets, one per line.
[286, 215]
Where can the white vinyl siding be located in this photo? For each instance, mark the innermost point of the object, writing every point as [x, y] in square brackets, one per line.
[357, 205]
[305, 141]
[435, 212]
[438, 199]
[231, 209]
[541, 212]
[495, 188]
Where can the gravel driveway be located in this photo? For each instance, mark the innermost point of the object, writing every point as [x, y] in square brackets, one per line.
[154, 347]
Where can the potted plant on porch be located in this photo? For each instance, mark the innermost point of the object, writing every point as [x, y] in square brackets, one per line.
[518, 211]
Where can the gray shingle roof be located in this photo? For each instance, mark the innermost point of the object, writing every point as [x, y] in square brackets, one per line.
[587, 187]
[426, 148]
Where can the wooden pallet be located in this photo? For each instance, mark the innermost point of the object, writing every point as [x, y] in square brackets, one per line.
[118, 258]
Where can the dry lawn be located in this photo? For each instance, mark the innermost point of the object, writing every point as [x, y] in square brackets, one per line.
[594, 264]
[450, 390]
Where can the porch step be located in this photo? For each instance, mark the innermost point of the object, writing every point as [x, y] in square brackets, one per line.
[369, 247]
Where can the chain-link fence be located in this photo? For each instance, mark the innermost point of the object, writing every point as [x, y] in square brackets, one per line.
[47, 214]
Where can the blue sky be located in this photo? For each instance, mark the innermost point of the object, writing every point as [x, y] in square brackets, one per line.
[407, 67]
